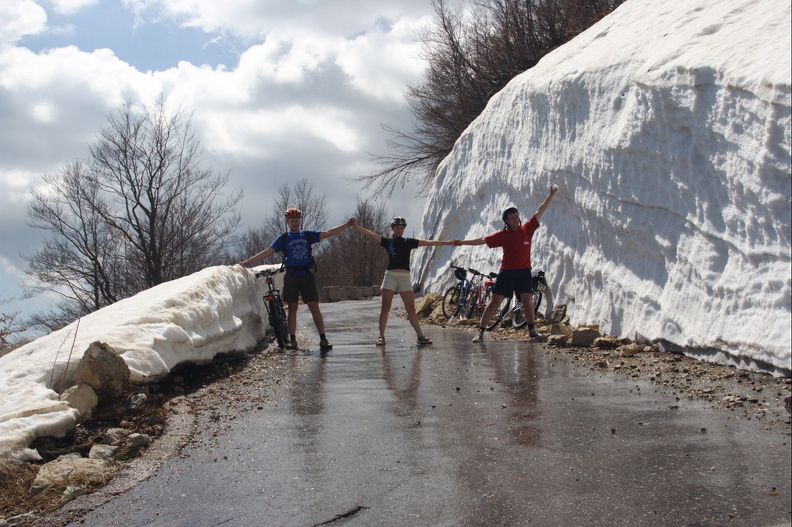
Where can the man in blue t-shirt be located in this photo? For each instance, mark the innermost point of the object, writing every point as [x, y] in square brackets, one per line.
[299, 280]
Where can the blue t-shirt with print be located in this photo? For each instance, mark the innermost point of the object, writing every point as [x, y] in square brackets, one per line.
[298, 250]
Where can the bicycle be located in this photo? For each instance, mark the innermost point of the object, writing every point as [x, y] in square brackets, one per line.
[456, 296]
[274, 304]
[480, 294]
[505, 310]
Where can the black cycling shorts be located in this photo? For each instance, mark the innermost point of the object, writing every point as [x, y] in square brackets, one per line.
[295, 287]
[511, 281]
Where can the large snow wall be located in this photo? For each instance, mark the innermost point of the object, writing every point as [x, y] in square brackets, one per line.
[667, 127]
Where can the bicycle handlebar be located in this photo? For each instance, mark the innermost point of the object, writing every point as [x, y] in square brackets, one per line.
[269, 272]
[475, 272]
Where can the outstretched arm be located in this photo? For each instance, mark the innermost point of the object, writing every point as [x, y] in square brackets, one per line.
[335, 230]
[269, 251]
[373, 235]
[473, 241]
[546, 203]
[433, 243]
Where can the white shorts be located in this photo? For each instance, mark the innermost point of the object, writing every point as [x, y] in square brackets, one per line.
[397, 281]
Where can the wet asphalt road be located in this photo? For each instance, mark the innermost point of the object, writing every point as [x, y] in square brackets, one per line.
[493, 434]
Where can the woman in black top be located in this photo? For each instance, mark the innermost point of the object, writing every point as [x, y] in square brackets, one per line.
[397, 276]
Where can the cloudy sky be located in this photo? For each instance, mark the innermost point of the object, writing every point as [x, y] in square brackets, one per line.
[280, 89]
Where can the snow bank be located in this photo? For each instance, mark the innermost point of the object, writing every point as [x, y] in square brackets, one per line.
[667, 127]
[190, 320]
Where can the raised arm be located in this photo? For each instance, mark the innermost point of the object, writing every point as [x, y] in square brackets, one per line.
[335, 230]
[546, 203]
[373, 235]
[269, 251]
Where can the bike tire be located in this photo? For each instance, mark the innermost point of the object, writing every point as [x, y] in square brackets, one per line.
[278, 322]
[464, 307]
[518, 316]
[471, 305]
[503, 309]
[537, 301]
[482, 302]
[462, 300]
[451, 302]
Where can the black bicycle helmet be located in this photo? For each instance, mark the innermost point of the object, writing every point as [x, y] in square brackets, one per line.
[507, 212]
[398, 220]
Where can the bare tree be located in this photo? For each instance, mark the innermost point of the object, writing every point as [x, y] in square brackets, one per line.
[351, 258]
[139, 211]
[472, 54]
[167, 208]
[80, 261]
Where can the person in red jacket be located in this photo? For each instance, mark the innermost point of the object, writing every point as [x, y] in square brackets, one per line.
[515, 270]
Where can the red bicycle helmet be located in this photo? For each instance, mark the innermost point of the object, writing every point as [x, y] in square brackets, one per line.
[293, 213]
[398, 220]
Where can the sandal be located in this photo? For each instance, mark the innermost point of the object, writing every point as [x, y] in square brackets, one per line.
[423, 341]
[381, 341]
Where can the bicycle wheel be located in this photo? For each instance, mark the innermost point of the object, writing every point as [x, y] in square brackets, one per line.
[503, 309]
[472, 304]
[464, 298]
[483, 300]
[277, 322]
[451, 302]
[537, 301]
[464, 294]
[518, 316]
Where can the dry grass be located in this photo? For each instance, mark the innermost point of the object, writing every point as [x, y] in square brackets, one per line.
[15, 497]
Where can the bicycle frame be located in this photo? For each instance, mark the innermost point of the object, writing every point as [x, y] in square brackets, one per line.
[481, 292]
[455, 298]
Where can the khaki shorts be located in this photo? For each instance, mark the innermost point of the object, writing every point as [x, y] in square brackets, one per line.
[397, 281]
[295, 287]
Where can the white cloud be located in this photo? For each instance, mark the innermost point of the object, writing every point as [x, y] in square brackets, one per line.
[287, 57]
[71, 6]
[255, 18]
[379, 63]
[19, 18]
[96, 74]
[17, 183]
[265, 133]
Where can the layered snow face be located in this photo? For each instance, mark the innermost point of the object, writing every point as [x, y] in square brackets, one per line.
[667, 128]
[189, 320]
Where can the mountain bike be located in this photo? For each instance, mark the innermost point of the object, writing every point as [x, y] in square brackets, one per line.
[516, 313]
[274, 304]
[456, 297]
[480, 293]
